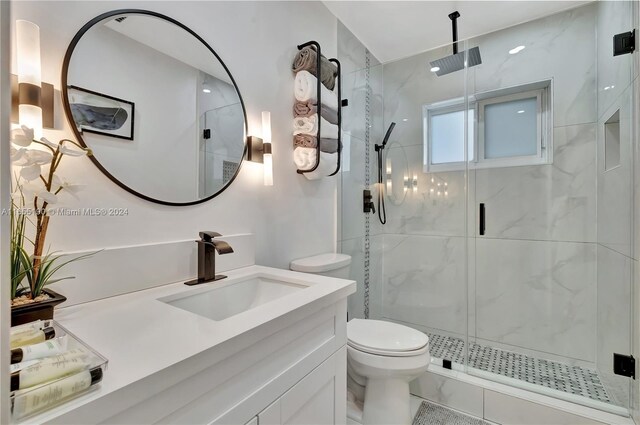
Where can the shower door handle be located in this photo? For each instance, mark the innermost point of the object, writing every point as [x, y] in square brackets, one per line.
[481, 219]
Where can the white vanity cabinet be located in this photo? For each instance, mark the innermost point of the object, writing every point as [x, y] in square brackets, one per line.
[318, 399]
[288, 370]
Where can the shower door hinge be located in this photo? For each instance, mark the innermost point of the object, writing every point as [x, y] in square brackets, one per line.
[624, 365]
[624, 43]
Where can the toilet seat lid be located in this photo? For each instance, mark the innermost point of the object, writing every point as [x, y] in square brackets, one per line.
[381, 337]
[320, 263]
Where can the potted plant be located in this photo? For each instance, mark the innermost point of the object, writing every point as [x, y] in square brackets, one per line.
[35, 187]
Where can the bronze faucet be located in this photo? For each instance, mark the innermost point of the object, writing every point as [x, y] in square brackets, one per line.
[207, 248]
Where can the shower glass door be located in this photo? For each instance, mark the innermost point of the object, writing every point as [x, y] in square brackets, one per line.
[550, 206]
[424, 254]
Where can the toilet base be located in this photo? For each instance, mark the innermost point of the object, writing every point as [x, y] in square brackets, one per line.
[387, 401]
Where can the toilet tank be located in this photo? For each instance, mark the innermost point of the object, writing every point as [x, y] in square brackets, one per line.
[331, 264]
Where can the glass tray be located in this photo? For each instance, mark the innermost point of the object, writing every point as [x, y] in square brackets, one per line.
[37, 399]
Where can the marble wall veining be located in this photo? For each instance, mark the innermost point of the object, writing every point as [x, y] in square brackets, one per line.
[536, 295]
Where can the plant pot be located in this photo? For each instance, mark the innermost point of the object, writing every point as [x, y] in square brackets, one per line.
[42, 310]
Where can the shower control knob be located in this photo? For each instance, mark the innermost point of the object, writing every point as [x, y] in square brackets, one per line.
[367, 202]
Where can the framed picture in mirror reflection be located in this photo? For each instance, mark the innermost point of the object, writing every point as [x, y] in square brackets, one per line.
[99, 113]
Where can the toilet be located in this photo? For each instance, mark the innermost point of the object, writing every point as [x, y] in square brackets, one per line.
[382, 357]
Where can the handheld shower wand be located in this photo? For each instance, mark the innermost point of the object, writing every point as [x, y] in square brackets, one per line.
[382, 212]
[386, 138]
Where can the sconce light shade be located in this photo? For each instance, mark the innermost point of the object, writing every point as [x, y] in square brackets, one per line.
[266, 147]
[259, 149]
[29, 75]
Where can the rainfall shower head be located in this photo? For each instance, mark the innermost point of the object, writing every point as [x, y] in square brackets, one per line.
[456, 61]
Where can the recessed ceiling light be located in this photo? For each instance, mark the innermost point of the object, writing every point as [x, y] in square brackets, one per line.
[609, 87]
[521, 111]
[435, 69]
[405, 119]
[206, 90]
[515, 50]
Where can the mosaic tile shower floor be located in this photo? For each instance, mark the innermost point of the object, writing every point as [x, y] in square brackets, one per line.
[558, 376]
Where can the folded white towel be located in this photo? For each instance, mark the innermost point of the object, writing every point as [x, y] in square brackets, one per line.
[306, 87]
[305, 159]
[309, 125]
[328, 164]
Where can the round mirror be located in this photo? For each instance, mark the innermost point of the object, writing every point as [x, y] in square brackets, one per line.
[156, 105]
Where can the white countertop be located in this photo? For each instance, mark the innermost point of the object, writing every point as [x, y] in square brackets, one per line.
[141, 335]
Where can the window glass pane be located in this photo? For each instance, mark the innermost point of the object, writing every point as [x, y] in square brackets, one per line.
[511, 128]
[447, 137]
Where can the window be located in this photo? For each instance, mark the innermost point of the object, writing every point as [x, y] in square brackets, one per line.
[444, 128]
[508, 127]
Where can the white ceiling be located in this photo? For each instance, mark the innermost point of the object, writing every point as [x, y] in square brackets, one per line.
[397, 29]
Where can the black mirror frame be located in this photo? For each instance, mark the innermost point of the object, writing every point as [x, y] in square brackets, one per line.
[78, 135]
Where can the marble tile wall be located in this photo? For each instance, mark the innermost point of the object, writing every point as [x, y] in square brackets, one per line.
[537, 295]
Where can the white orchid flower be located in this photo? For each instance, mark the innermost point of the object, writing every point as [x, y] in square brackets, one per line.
[22, 136]
[46, 196]
[39, 157]
[49, 143]
[66, 186]
[31, 188]
[30, 172]
[27, 157]
[17, 154]
[72, 151]
[37, 188]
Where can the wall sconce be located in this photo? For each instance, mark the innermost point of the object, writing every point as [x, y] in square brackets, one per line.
[31, 100]
[259, 150]
[414, 183]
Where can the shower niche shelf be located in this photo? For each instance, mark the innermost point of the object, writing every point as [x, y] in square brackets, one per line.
[340, 103]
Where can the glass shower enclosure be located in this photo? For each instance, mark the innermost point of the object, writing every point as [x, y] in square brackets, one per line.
[509, 200]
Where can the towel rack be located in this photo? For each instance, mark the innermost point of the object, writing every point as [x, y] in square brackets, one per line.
[318, 50]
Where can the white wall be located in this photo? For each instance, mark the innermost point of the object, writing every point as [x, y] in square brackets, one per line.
[257, 41]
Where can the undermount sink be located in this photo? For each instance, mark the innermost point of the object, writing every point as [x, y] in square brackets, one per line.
[232, 298]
